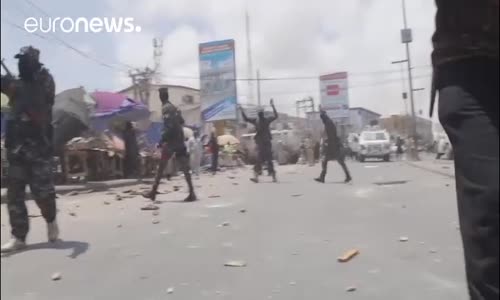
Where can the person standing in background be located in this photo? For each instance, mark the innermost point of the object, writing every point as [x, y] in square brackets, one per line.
[466, 76]
[214, 149]
[131, 159]
[195, 152]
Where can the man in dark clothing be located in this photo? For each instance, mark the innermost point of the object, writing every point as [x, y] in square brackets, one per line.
[29, 147]
[172, 143]
[131, 159]
[333, 149]
[263, 139]
[213, 144]
[466, 76]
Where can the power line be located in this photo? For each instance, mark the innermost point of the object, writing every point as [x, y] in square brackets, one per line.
[292, 78]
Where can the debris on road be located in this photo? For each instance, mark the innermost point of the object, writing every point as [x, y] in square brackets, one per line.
[432, 251]
[118, 198]
[72, 214]
[235, 263]
[155, 221]
[119, 226]
[235, 183]
[224, 224]
[106, 203]
[56, 276]
[296, 195]
[170, 290]
[350, 289]
[231, 177]
[110, 193]
[403, 206]
[243, 210]
[292, 283]
[347, 256]
[150, 207]
[391, 182]
[214, 196]
[155, 213]
[176, 188]
[403, 239]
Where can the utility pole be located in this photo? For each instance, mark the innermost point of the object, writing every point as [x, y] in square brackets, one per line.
[258, 89]
[249, 59]
[141, 82]
[157, 56]
[406, 38]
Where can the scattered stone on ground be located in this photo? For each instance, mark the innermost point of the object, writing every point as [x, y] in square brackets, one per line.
[150, 207]
[56, 276]
[350, 289]
[155, 221]
[106, 203]
[243, 210]
[155, 213]
[72, 214]
[214, 196]
[347, 256]
[170, 290]
[403, 239]
[235, 263]
[296, 195]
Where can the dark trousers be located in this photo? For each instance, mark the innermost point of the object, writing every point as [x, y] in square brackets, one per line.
[264, 156]
[468, 111]
[29, 168]
[215, 162]
[340, 160]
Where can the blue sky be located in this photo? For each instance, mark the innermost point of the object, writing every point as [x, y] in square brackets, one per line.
[289, 38]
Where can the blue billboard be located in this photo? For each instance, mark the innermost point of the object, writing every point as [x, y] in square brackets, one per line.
[217, 81]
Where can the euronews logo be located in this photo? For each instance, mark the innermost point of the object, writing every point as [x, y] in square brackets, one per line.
[70, 25]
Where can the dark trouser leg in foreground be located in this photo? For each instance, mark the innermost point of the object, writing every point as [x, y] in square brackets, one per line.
[324, 166]
[183, 159]
[341, 162]
[16, 194]
[468, 110]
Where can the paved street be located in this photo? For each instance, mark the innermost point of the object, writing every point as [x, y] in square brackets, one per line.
[289, 235]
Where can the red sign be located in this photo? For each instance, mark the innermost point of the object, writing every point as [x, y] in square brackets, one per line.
[332, 90]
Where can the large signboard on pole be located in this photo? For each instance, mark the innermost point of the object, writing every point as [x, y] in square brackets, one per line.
[217, 81]
[334, 96]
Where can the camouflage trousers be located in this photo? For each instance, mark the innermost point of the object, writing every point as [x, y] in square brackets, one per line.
[29, 168]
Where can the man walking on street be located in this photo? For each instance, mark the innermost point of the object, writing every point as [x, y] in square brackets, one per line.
[466, 76]
[333, 149]
[263, 139]
[29, 146]
[172, 143]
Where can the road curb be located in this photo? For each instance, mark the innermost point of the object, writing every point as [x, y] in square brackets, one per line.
[432, 170]
[94, 186]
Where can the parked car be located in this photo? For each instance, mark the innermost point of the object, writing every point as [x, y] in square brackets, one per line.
[374, 143]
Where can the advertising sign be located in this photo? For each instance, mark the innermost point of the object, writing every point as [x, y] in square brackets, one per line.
[334, 97]
[217, 81]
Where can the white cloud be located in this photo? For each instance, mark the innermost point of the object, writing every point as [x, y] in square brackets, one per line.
[290, 38]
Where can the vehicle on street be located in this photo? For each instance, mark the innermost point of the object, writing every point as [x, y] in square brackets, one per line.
[374, 142]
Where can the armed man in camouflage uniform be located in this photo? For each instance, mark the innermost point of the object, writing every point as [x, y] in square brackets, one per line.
[172, 143]
[466, 76]
[29, 146]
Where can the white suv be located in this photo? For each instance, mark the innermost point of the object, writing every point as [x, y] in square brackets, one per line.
[374, 143]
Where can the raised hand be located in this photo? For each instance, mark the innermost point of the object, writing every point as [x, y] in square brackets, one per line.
[271, 102]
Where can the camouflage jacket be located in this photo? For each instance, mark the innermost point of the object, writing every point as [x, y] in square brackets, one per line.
[464, 29]
[31, 108]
